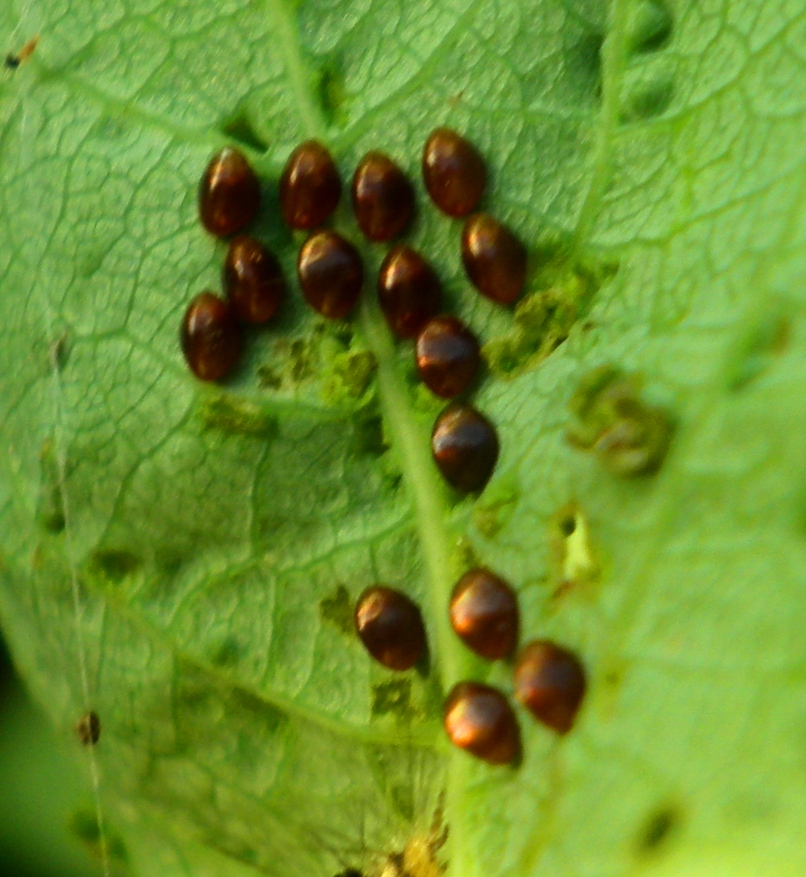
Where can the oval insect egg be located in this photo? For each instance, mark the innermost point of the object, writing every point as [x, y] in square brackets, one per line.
[383, 197]
[479, 719]
[484, 614]
[310, 186]
[253, 280]
[447, 356]
[229, 193]
[210, 337]
[408, 291]
[330, 274]
[464, 445]
[550, 682]
[494, 258]
[453, 172]
[391, 627]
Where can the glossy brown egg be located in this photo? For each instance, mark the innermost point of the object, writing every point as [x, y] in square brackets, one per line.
[383, 197]
[408, 291]
[253, 280]
[465, 447]
[453, 172]
[330, 274]
[447, 355]
[310, 186]
[229, 193]
[391, 627]
[88, 728]
[550, 683]
[479, 719]
[494, 259]
[211, 337]
[484, 614]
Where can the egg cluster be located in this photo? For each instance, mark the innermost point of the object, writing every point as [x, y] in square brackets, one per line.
[548, 680]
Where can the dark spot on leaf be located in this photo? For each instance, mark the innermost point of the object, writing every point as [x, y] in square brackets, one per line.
[629, 437]
[84, 825]
[567, 525]
[332, 92]
[545, 317]
[350, 872]
[88, 728]
[496, 507]
[348, 376]
[338, 610]
[269, 378]
[647, 100]
[658, 829]
[267, 717]
[584, 64]
[650, 26]
[227, 653]
[369, 436]
[60, 352]
[758, 350]
[114, 564]
[50, 503]
[233, 414]
[300, 360]
[403, 801]
[240, 128]
[169, 562]
[14, 59]
[392, 697]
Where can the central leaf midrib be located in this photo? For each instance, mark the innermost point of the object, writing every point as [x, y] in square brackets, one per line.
[419, 472]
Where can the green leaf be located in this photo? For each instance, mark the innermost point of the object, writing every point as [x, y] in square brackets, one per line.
[183, 558]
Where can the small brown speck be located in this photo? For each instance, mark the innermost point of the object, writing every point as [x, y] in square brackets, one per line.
[89, 728]
[13, 61]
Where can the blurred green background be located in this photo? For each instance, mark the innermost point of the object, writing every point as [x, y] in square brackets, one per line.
[43, 790]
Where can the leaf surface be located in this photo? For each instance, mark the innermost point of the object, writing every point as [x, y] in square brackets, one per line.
[650, 155]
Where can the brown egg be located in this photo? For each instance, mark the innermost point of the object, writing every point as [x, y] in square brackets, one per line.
[408, 291]
[453, 172]
[465, 447]
[484, 614]
[479, 719]
[88, 728]
[383, 197]
[391, 627]
[253, 280]
[494, 259]
[550, 683]
[330, 274]
[447, 355]
[310, 186]
[229, 193]
[211, 338]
